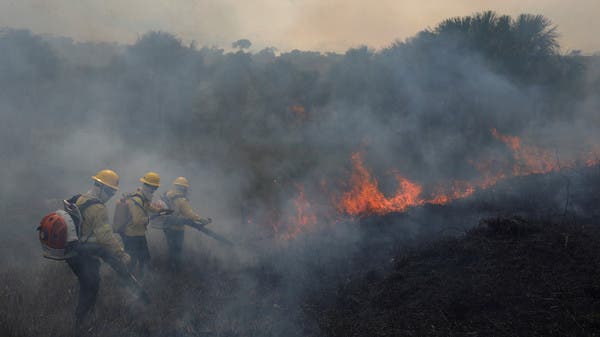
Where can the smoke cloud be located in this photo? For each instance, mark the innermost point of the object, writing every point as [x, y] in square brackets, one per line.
[266, 141]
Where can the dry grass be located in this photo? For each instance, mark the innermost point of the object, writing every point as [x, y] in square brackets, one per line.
[205, 299]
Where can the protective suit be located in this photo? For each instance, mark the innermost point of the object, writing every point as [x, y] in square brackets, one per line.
[176, 199]
[140, 209]
[97, 241]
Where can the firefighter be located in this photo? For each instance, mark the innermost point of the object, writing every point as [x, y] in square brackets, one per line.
[140, 207]
[95, 232]
[177, 200]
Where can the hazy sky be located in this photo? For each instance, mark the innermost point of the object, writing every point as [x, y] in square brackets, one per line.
[326, 25]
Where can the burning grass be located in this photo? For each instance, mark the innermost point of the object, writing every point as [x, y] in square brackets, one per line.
[507, 276]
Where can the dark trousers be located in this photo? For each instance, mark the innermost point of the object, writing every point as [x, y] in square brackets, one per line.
[87, 269]
[175, 246]
[137, 248]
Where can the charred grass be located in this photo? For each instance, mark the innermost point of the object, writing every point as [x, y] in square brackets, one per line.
[505, 277]
[429, 272]
[508, 276]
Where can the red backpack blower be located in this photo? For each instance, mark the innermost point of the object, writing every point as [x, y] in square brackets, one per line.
[59, 231]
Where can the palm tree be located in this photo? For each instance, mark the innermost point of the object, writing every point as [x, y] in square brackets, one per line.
[525, 47]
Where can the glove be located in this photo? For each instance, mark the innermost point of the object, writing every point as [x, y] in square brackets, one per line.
[204, 222]
[125, 259]
[159, 205]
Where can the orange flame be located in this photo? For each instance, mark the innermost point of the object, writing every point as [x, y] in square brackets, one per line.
[492, 171]
[299, 112]
[304, 219]
[513, 142]
[365, 197]
[593, 157]
[459, 190]
[529, 159]
[592, 162]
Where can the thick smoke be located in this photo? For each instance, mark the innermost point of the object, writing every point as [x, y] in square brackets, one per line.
[252, 130]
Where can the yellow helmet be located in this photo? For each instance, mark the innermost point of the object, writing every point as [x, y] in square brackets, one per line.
[151, 178]
[107, 177]
[181, 181]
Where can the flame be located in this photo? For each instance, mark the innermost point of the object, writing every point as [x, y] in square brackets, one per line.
[458, 190]
[529, 159]
[526, 160]
[513, 142]
[304, 218]
[365, 197]
[592, 158]
[299, 112]
[492, 172]
[592, 162]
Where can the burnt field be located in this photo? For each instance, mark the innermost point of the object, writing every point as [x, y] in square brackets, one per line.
[506, 277]
[447, 184]
[435, 271]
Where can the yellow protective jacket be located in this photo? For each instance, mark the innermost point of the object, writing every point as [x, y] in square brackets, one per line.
[140, 210]
[181, 209]
[95, 227]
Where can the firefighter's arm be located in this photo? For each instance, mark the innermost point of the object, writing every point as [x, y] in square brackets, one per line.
[154, 207]
[105, 235]
[186, 211]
